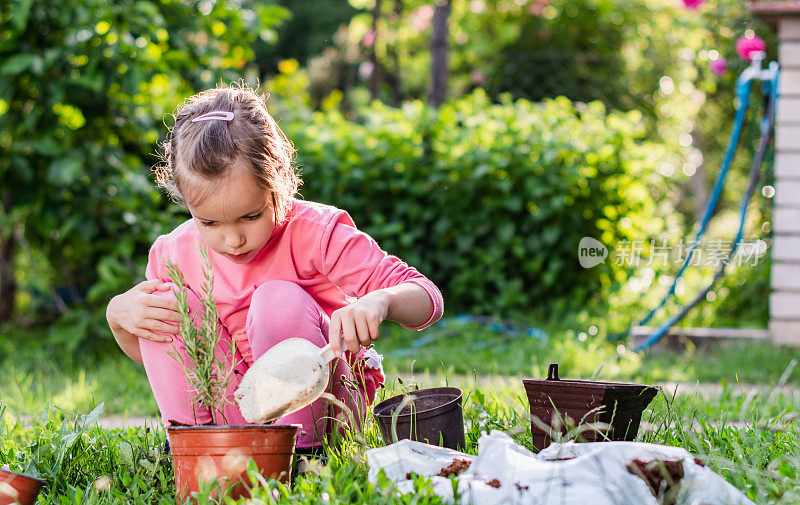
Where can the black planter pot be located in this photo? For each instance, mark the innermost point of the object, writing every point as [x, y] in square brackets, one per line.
[562, 404]
[434, 416]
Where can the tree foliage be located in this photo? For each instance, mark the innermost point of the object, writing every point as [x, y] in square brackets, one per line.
[84, 89]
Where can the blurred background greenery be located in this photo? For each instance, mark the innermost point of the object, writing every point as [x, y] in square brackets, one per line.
[561, 119]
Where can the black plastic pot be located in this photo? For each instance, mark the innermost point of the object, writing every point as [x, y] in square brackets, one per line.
[563, 404]
[432, 415]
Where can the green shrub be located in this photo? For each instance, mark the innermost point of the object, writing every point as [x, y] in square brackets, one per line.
[84, 87]
[489, 200]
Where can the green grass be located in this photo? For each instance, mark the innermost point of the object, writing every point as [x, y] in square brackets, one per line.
[32, 377]
[72, 455]
[475, 349]
[747, 434]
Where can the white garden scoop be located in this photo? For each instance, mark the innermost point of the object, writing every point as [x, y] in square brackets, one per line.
[286, 378]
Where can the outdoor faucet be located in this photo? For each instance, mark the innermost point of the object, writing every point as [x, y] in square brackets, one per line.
[755, 72]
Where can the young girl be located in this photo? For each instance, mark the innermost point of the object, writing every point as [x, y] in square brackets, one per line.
[282, 267]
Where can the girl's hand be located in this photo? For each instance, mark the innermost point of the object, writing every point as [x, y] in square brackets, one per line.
[141, 313]
[358, 322]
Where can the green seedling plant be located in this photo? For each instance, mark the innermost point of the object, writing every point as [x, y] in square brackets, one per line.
[209, 374]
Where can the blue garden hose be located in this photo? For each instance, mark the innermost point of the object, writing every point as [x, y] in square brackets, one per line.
[769, 89]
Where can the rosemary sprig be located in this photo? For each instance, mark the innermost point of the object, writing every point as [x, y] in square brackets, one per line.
[208, 375]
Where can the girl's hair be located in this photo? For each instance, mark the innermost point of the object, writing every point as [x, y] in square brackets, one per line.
[210, 149]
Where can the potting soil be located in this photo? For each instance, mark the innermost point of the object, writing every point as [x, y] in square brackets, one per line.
[607, 473]
[286, 378]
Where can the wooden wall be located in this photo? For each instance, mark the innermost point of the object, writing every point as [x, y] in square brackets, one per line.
[784, 326]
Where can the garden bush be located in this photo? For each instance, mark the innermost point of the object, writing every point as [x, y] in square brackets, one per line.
[490, 200]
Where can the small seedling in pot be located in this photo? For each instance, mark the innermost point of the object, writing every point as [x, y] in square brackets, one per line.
[209, 366]
[209, 375]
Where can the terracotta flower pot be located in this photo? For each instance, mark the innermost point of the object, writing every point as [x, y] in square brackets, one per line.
[563, 403]
[18, 488]
[434, 417]
[222, 453]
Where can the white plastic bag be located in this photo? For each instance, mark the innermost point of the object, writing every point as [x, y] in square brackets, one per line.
[407, 456]
[563, 474]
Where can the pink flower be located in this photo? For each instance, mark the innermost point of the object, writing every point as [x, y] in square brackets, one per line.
[420, 19]
[692, 4]
[368, 39]
[537, 7]
[477, 77]
[719, 66]
[745, 46]
[367, 370]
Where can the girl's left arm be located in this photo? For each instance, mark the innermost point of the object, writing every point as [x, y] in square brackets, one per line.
[408, 304]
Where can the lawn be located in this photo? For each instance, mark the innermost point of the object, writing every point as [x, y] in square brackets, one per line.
[734, 407]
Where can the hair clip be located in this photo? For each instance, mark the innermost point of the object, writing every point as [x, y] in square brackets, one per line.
[214, 114]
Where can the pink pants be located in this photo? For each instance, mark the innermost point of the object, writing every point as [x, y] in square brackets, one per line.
[278, 310]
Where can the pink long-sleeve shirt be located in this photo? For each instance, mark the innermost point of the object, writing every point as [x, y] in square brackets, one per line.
[317, 247]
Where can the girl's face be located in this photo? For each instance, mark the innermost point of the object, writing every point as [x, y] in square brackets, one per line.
[235, 216]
